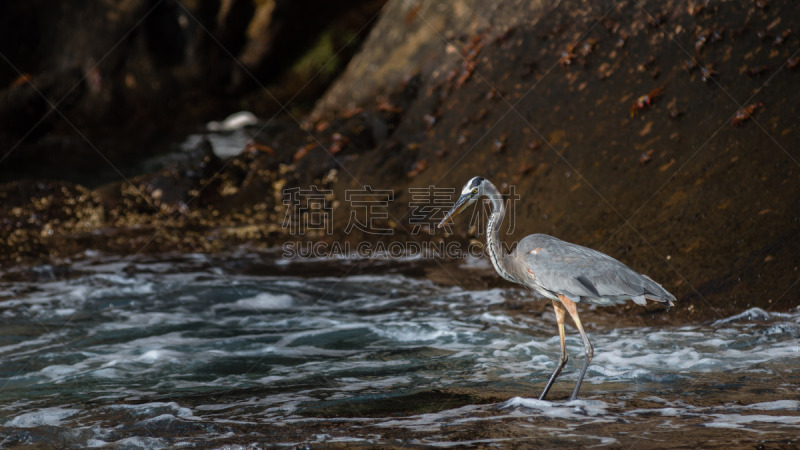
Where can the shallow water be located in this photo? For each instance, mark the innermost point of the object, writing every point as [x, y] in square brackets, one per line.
[251, 350]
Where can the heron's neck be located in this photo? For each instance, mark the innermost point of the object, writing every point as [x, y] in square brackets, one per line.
[496, 254]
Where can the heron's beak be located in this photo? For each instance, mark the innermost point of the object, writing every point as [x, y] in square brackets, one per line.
[462, 203]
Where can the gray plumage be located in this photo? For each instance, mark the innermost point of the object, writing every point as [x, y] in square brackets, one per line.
[565, 273]
[582, 274]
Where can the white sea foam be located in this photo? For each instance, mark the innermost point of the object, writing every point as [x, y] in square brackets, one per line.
[140, 442]
[260, 349]
[777, 405]
[488, 297]
[180, 411]
[574, 409]
[740, 420]
[500, 319]
[433, 331]
[263, 301]
[45, 416]
[59, 371]
[751, 315]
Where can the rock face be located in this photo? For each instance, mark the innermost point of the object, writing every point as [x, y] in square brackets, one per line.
[659, 133]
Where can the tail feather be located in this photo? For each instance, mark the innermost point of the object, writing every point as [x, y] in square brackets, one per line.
[657, 293]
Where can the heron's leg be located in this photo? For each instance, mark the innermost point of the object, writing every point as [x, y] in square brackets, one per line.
[587, 346]
[562, 361]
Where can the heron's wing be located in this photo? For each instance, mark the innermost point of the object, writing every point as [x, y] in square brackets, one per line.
[581, 273]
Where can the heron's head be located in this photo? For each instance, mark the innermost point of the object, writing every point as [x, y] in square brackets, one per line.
[469, 193]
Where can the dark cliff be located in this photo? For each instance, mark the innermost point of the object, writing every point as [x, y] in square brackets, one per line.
[660, 133]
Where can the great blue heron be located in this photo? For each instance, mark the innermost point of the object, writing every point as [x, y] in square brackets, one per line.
[563, 272]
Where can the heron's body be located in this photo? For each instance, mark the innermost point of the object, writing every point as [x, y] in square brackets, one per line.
[563, 272]
[550, 269]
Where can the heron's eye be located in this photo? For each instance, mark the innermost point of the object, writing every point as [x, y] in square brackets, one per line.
[475, 191]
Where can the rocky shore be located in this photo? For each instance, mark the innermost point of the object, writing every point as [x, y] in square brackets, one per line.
[661, 133]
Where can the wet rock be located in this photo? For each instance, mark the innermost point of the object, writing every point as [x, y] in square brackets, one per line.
[33, 214]
[192, 179]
